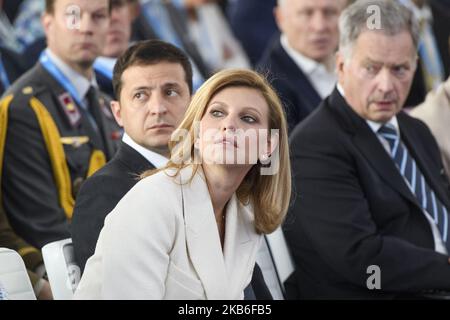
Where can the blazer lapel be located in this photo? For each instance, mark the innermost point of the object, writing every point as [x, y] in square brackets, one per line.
[369, 145]
[202, 237]
[223, 275]
[241, 245]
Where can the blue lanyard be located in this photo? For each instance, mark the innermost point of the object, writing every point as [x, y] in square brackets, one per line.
[103, 69]
[48, 64]
[3, 75]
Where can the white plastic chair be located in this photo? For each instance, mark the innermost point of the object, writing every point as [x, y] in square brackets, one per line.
[63, 273]
[14, 277]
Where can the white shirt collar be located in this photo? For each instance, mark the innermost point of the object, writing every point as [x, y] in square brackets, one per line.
[321, 76]
[375, 126]
[306, 64]
[80, 83]
[154, 158]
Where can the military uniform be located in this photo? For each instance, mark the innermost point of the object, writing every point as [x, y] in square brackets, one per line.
[51, 145]
[30, 255]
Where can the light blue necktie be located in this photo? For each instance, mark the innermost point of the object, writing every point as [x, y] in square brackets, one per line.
[416, 181]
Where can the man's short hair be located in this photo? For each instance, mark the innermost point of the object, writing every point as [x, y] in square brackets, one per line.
[50, 6]
[150, 52]
[356, 18]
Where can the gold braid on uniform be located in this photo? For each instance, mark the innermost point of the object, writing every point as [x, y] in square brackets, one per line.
[4, 105]
[57, 156]
[55, 150]
[29, 254]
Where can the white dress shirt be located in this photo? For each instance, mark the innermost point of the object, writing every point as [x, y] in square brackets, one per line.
[375, 126]
[154, 158]
[321, 77]
[78, 81]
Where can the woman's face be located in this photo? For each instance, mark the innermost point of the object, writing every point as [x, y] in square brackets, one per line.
[235, 128]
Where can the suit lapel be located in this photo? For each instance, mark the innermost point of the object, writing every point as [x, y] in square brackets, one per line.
[241, 245]
[202, 238]
[133, 160]
[296, 75]
[367, 142]
[222, 275]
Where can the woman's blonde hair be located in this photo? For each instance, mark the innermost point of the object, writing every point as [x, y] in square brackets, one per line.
[269, 194]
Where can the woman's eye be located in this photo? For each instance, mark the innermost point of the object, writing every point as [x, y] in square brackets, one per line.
[216, 113]
[249, 119]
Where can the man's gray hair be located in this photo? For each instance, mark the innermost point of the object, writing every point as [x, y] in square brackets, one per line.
[359, 17]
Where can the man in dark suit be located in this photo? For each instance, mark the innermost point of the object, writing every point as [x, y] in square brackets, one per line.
[370, 213]
[301, 61]
[57, 126]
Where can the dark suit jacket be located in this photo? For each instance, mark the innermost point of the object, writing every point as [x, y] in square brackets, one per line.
[352, 208]
[99, 195]
[441, 28]
[295, 90]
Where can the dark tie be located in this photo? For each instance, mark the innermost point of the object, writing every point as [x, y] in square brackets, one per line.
[94, 110]
[416, 181]
[94, 106]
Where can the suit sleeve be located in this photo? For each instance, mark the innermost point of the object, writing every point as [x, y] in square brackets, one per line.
[30, 194]
[96, 199]
[331, 210]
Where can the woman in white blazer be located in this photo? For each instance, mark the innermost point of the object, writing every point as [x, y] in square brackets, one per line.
[192, 229]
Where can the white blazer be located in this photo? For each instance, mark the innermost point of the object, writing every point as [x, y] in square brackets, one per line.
[148, 250]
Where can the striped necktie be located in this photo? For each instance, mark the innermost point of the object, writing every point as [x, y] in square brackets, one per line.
[416, 181]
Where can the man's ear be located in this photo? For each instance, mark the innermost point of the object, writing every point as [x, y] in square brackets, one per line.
[340, 65]
[117, 112]
[46, 21]
[278, 17]
[339, 61]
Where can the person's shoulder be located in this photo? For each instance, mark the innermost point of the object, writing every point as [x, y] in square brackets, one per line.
[165, 178]
[28, 86]
[320, 122]
[154, 199]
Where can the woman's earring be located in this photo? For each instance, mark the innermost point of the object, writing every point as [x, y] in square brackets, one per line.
[197, 144]
[264, 157]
